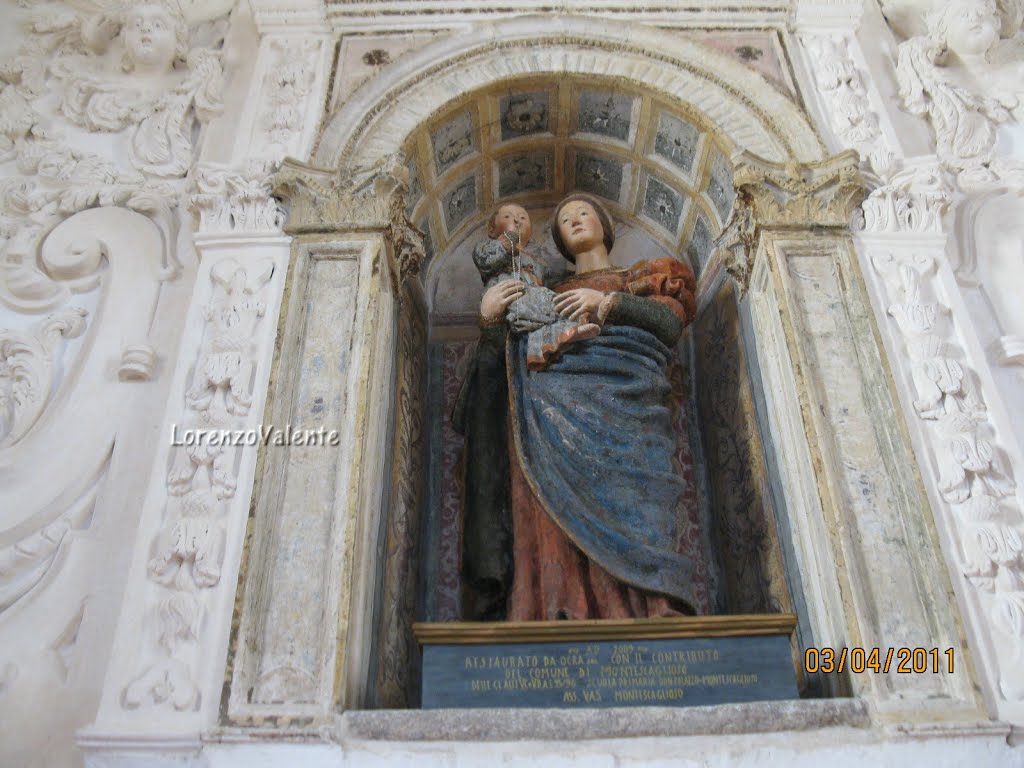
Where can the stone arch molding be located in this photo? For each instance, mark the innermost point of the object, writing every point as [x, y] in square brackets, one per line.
[376, 120]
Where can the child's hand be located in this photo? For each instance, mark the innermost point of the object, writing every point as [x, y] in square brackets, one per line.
[497, 298]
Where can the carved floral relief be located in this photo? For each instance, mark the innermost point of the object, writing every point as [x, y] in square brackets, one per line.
[149, 72]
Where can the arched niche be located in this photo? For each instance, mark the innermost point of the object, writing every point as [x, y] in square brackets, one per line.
[793, 319]
[662, 168]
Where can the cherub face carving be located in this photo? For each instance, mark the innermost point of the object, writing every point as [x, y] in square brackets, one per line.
[150, 38]
[969, 27]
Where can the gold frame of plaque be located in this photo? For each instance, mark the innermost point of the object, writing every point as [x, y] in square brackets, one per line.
[470, 632]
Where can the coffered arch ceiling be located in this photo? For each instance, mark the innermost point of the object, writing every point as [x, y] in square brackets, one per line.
[659, 163]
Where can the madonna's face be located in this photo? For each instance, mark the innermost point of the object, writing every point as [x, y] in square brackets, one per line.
[971, 27]
[149, 37]
[579, 226]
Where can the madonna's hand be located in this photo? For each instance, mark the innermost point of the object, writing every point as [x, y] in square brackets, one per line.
[497, 298]
[578, 302]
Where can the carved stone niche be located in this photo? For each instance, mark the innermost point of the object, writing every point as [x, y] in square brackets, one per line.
[319, 604]
[327, 586]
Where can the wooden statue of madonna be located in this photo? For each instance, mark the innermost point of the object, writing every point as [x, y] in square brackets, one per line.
[571, 490]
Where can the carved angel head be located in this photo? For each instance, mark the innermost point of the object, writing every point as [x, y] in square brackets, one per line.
[966, 27]
[155, 35]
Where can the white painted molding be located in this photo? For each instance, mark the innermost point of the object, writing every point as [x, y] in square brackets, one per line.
[362, 16]
[823, 16]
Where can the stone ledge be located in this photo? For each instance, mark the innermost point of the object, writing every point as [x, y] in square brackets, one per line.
[613, 723]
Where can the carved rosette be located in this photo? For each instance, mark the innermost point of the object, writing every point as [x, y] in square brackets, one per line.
[775, 196]
[188, 550]
[357, 200]
[970, 470]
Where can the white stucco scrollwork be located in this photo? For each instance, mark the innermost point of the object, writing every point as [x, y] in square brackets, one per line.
[26, 371]
[111, 258]
[162, 84]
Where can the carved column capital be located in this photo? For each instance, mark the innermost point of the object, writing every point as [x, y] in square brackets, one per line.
[230, 199]
[821, 194]
[793, 197]
[322, 200]
[910, 198]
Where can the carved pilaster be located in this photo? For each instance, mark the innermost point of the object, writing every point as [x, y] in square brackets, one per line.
[966, 452]
[848, 473]
[172, 636]
[357, 200]
[778, 197]
[294, 662]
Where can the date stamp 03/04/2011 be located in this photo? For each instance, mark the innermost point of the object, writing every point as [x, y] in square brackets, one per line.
[900, 660]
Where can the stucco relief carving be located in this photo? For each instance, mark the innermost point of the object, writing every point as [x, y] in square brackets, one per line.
[27, 363]
[151, 69]
[168, 76]
[25, 562]
[31, 205]
[188, 550]
[972, 473]
[357, 198]
[911, 196]
[841, 85]
[288, 87]
[966, 75]
[58, 399]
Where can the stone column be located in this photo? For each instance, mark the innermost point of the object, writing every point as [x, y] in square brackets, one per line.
[315, 558]
[866, 547]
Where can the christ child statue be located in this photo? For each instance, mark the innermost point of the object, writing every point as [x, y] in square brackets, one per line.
[506, 255]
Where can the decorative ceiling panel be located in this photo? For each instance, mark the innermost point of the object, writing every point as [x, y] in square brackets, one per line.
[661, 166]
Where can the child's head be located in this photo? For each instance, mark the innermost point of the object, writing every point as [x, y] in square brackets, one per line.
[510, 216]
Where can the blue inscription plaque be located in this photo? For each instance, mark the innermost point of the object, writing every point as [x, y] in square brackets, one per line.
[609, 673]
